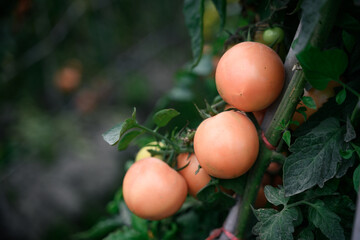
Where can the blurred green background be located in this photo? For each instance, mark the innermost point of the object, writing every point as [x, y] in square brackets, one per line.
[69, 71]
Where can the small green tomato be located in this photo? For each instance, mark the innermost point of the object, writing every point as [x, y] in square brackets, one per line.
[272, 36]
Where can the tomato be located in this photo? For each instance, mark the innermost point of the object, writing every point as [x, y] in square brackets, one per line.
[226, 145]
[272, 36]
[144, 151]
[195, 181]
[273, 168]
[319, 96]
[68, 79]
[153, 190]
[250, 76]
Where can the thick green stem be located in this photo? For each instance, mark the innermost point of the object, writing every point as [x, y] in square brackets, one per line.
[283, 113]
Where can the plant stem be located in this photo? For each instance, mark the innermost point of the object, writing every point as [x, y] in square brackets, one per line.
[159, 136]
[283, 113]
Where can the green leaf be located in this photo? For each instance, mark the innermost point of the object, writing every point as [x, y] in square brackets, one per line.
[315, 157]
[346, 154]
[207, 193]
[112, 136]
[327, 221]
[357, 149]
[309, 102]
[163, 117]
[329, 188]
[275, 225]
[276, 195]
[306, 234]
[194, 13]
[344, 207]
[350, 131]
[287, 137]
[302, 111]
[127, 138]
[322, 66]
[311, 14]
[215, 197]
[356, 178]
[170, 234]
[221, 9]
[100, 229]
[126, 233]
[127, 125]
[139, 224]
[348, 40]
[235, 184]
[341, 96]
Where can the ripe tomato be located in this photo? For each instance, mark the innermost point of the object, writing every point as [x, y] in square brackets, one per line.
[144, 151]
[274, 168]
[68, 79]
[319, 96]
[226, 145]
[195, 181]
[153, 190]
[272, 36]
[250, 76]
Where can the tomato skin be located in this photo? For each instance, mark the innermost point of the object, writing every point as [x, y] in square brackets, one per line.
[274, 168]
[153, 190]
[195, 181]
[250, 76]
[273, 35]
[226, 145]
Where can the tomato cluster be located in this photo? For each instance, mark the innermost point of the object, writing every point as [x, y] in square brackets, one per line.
[249, 77]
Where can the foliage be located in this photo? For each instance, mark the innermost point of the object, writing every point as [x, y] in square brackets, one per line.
[315, 200]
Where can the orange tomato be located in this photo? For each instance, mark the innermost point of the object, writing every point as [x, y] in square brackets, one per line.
[250, 76]
[226, 145]
[68, 79]
[195, 181]
[153, 190]
[273, 168]
[319, 96]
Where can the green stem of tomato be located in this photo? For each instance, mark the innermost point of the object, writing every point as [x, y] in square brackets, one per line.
[283, 113]
[159, 136]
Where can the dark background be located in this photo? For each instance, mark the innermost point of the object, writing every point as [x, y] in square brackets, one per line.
[69, 71]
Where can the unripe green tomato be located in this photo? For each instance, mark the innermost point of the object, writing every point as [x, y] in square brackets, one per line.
[273, 35]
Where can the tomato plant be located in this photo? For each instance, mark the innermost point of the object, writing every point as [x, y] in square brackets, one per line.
[310, 191]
